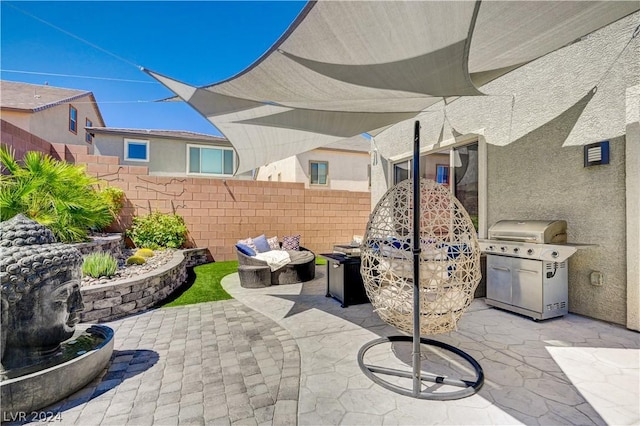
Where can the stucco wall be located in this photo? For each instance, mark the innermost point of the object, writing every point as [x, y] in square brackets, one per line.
[167, 157]
[535, 122]
[287, 168]
[52, 124]
[347, 170]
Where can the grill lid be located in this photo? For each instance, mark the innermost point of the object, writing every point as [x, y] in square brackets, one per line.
[533, 231]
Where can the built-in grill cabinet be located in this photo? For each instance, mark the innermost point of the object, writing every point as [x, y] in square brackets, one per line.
[527, 267]
[529, 287]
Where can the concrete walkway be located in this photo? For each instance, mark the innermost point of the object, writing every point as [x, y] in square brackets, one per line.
[287, 354]
[570, 370]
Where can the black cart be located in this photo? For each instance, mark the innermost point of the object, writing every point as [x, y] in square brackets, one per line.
[344, 282]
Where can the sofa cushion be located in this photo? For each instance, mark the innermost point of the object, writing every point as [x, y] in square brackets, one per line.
[248, 242]
[245, 249]
[300, 257]
[261, 243]
[273, 243]
[291, 242]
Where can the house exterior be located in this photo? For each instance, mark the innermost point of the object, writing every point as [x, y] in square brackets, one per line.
[169, 152]
[519, 153]
[55, 114]
[343, 165]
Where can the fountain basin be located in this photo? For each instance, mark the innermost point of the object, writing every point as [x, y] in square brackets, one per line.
[25, 393]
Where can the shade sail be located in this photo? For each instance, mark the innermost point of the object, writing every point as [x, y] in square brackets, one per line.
[344, 68]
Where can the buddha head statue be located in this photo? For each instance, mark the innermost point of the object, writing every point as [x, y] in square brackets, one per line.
[40, 284]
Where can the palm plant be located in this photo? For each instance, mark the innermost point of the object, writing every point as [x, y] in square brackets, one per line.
[54, 193]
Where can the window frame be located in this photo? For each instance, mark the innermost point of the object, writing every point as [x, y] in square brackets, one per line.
[326, 176]
[221, 148]
[469, 139]
[73, 129]
[88, 137]
[128, 141]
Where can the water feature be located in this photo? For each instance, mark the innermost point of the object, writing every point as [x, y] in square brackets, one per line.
[44, 358]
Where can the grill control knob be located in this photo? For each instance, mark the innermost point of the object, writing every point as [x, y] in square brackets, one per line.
[530, 252]
[491, 248]
[503, 248]
[555, 254]
[516, 250]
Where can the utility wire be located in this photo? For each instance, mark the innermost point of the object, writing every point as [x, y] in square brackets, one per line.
[95, 46]
[78, 76]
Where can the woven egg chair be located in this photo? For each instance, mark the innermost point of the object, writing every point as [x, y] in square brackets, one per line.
[429, 249]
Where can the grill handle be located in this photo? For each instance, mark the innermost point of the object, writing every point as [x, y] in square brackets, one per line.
[513, 238]
[528, 271]
[500, 268]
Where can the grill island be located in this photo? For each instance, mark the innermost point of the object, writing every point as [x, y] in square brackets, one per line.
[527, 267]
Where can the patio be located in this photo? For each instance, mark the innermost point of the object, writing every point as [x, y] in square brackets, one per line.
[571, 370]
[287, 355]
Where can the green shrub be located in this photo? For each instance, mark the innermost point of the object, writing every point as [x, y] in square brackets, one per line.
[136, 260]
[158, 230]
[99, 264]
[59, 195]
[144, 252]
[114, 197]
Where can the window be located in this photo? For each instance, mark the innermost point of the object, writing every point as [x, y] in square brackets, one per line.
[210, 161]
[136, 150]
[88, 137]
[442, 174]
[73, 119]
[462, 168]
[318, 172]
[401, 171]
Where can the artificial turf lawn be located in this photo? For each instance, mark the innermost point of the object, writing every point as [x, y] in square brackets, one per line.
[206, 284]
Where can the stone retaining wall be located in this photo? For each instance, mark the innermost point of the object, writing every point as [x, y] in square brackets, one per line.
[112, 243]
[106, 302]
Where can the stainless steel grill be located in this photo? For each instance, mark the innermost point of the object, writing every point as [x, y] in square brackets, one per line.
[527, 268]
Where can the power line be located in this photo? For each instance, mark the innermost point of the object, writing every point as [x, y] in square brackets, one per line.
[78, 76]
[95, 46]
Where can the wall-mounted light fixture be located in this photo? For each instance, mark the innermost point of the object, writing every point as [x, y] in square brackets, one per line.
[596, 154]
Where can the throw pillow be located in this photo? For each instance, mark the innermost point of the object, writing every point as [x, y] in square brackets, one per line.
[273, 243]
[248, 242]
[245, 249]
[291, 242]
[261, 244]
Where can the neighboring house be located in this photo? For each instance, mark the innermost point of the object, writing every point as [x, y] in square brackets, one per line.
[523, 154]
[54, 114]
[344, 165]
[169, 152]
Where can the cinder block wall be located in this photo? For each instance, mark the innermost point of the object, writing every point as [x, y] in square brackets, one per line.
[21, 140]
[219, 212]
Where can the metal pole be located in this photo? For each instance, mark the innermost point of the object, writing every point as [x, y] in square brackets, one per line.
[417, 381]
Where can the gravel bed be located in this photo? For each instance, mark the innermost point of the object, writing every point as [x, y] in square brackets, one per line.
[128, 271]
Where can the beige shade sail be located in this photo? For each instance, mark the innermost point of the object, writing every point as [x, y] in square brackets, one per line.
[346, 68]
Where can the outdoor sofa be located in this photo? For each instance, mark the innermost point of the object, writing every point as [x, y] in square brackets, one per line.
[254, 272]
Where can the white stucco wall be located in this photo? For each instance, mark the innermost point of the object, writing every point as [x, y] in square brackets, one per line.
[633, 207]
[535, 122]
[288, 169]
[347, 169]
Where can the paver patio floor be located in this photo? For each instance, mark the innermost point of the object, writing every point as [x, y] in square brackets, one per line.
[287, 354]
[569, 370]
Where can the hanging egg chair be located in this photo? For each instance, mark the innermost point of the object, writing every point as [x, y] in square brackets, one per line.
[420, 264]
[449, 258]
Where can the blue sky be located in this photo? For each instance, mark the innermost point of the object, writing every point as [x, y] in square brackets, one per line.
[196, 42]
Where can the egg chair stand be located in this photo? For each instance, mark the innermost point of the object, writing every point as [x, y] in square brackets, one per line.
[417, 376]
